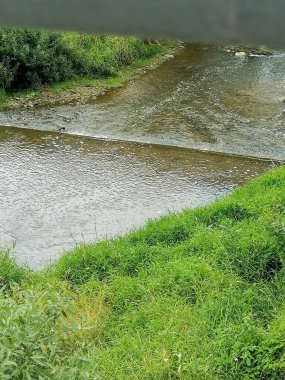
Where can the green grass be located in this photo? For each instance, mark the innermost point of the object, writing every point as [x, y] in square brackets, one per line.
[125, 73]
[3, 98]
[10, 272]
[194, 295]
[108, 82]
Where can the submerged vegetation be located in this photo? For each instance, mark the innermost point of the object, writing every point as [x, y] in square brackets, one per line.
[195, 295]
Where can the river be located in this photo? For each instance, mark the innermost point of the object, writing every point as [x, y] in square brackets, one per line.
[180, 136]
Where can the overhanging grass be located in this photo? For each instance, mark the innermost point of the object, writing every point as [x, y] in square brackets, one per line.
[194, 295]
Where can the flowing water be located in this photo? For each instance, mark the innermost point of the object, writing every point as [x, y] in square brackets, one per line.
[138, 152]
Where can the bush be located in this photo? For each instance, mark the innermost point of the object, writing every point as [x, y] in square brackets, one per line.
[31, 59]
[39, 338]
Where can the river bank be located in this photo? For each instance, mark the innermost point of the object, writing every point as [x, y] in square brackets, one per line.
[199, 294]
[85, 88]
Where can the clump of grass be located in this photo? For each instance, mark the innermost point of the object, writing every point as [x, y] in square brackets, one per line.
[10, 272]
[195, 295]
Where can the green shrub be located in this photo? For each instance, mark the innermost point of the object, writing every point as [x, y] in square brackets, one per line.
[30, 59]
[37, 340]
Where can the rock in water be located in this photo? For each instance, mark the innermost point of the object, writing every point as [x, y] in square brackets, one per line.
[240, 54]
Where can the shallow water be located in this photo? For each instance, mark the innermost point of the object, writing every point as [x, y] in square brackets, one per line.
[60, 189]
[204, 98]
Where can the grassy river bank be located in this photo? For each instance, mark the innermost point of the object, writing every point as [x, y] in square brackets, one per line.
[194, 295]
[48, 68]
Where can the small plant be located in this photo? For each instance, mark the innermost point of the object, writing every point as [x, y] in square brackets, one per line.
[37, 336]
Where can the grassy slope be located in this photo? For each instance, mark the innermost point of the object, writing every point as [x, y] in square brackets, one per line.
[197, 295]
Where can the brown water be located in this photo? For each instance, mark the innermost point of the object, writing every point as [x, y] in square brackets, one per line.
[59, 190]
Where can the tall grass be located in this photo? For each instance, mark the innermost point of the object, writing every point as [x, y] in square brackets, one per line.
[10, 273]
[31, 59]
[195, 295]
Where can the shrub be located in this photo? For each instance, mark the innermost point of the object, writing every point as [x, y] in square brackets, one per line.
[38, 339]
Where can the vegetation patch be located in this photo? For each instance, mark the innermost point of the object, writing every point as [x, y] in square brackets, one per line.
[194, 295]
[32, 60]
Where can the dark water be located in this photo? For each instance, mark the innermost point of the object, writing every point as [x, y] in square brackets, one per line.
[59, 190]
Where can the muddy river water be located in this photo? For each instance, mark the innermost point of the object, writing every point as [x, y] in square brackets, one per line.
[180, 136]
